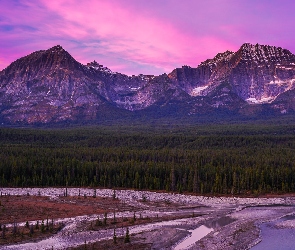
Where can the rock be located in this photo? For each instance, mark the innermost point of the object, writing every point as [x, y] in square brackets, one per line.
[50, 86]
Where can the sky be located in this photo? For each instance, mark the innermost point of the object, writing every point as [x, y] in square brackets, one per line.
[143, 36]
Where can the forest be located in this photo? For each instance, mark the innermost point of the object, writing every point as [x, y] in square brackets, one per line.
[244, 158]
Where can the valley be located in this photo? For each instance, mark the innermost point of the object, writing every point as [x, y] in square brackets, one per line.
[174, 186]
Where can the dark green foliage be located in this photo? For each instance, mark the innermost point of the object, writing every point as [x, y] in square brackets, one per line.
[31, 230]
[127, 236]
[115, 236]
[15, 228]
[42, 226]
[51, 226]
[212, 159]
[3, 232]
[98, 222]
[105, 218]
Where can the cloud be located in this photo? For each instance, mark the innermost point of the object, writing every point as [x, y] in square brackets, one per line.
[138, 36]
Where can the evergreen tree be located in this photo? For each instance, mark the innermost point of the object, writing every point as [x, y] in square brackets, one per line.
[42, 226]
[115, 236]
[31, 230]
[105, 218]
[3, 231]
[127, 237]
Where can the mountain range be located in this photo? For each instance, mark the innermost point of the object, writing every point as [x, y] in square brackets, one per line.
[50, 86]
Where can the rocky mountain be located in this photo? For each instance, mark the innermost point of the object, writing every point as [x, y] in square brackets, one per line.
[50, 86]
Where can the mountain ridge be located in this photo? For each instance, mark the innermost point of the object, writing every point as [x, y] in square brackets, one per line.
[50, 86]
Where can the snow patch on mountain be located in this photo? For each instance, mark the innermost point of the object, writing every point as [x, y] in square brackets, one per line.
[198, 90]
[52, 83]
[253, 100]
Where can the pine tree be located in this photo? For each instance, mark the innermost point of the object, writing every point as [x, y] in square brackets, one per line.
[14, 229]
[98, 222]
[105, 218]
[115, 236]
[172, 177]
[31, 230]
[127, 237]
[195, 181]
[114, 217]
[3, 231]
[42, 226]
[51, 225]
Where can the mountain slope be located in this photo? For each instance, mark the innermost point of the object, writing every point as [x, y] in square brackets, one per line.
[263, 73]
[50, 86]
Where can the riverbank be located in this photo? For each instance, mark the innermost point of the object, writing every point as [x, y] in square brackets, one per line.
[164, 219]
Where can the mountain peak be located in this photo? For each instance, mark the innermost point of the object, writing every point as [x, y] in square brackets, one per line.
[94, 64]
[264, 53]
[57, 56]
[56, 48]
[260, 47]
[51, 86]
[225, 56]
[246, 46]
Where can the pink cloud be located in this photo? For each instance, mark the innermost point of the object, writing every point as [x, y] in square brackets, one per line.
[138, 36]
[135, 36]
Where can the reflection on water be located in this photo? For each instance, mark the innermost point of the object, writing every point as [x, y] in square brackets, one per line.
[276, 239]
[196, 235]
[221, 222]
[202, 231]
[288, 217]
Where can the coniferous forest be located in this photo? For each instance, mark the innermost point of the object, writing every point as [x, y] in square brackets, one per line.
[250, 158]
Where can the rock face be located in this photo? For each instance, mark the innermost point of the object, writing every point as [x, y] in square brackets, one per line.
[51, 86]
[48, 86]
[262, 73]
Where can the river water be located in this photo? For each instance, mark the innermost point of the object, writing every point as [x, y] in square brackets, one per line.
[274, 238]
[202, 231]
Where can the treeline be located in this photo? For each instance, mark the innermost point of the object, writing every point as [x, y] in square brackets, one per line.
[189, 159]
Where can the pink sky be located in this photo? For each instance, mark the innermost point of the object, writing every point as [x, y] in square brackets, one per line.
[142, 36]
